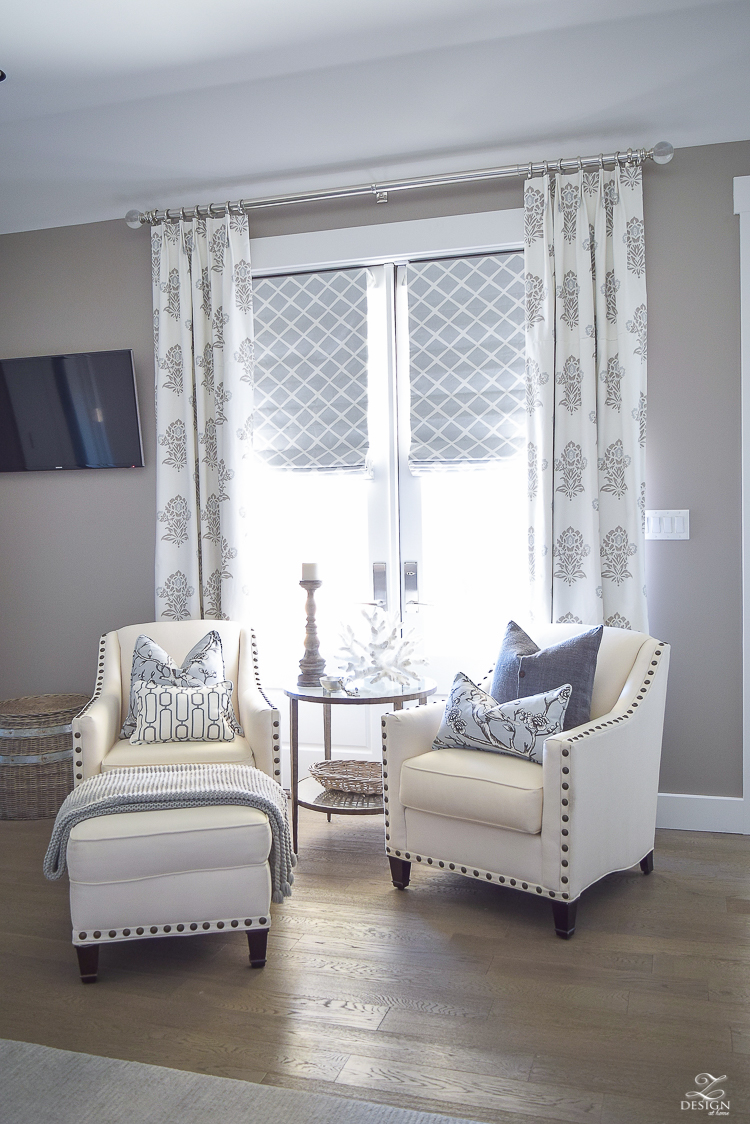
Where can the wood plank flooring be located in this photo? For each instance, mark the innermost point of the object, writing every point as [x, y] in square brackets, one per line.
[452, 996]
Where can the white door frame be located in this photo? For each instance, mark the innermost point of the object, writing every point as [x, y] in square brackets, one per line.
[503, 230]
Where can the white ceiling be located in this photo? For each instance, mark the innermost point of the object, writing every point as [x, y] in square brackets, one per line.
[170, 102]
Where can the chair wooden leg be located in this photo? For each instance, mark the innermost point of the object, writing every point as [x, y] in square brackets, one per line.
[400, 872]
[564, 916]
[647, 864]
[88, 962]
[257, 940]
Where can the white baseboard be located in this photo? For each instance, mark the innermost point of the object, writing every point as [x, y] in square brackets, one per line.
[687, 812]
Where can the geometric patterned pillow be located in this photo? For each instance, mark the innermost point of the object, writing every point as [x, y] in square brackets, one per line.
[181, 714]
[474, 720]
[202, 666]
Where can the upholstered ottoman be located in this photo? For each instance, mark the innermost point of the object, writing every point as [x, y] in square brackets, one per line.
[181, 872]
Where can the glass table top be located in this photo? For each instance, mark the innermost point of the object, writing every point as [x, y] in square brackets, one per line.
[371, 694]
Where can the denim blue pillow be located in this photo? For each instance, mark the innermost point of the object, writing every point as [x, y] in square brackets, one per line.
[523, 670]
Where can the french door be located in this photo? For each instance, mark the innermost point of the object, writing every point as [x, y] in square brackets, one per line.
[389, 449]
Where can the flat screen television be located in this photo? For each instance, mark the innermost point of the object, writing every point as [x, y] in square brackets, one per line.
[69, 411]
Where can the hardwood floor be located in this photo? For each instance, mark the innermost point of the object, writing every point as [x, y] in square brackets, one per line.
[452, 996]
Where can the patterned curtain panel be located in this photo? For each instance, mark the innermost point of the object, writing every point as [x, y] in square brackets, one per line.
[203, 341]
[586, 396]
[311, 370]
[466, 360]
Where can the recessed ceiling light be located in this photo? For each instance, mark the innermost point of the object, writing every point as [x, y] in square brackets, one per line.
[3, 75]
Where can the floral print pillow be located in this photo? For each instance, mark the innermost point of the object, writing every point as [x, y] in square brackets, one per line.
[203, 666]
[474, 720]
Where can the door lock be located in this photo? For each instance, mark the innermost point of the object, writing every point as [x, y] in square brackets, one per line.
[411, 583]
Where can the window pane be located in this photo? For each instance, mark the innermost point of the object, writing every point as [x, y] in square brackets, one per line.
[311, 370]
[466, 359]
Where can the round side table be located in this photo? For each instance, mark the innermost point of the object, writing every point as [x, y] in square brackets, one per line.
[309, 793]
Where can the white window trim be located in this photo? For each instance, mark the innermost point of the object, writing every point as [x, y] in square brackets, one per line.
[484, 232]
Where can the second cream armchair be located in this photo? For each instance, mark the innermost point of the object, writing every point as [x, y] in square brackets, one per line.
[549, 830]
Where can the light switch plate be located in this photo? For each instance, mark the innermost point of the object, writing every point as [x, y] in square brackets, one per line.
[668, 524]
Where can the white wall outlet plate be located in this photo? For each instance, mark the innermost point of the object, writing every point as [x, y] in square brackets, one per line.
[671, 524]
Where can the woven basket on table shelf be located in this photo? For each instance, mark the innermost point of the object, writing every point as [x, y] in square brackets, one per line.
[36, 754]
[349, 776]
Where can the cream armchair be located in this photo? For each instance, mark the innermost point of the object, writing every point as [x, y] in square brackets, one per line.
[96, 730]
[550, 830]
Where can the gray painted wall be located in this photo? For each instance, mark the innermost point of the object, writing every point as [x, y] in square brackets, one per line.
[76, 549]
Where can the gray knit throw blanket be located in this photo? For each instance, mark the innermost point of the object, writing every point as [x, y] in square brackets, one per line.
[154, 788]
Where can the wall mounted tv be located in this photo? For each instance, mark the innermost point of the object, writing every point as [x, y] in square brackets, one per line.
[69, 411]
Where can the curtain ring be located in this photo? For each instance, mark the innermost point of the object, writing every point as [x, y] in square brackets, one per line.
[545, 165]
[601, 161]
[530, 172]
[183, 217]
[580, 165]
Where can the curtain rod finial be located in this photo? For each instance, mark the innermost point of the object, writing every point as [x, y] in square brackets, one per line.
[134, 219]
[662, 152]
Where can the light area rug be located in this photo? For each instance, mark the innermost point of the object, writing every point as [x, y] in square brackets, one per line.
[42, 1085]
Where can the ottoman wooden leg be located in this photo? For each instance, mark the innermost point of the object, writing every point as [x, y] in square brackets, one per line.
[88, 961]
[257, 939]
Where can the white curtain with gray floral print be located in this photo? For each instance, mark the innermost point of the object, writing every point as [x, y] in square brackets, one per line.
[586, 396]
[203, 342]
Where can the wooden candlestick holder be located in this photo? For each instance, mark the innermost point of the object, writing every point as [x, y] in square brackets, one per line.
[312, 665]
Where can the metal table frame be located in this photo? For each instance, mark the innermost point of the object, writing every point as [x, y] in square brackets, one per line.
[364, 806]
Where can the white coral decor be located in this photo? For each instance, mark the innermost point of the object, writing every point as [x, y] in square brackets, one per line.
[389, 654]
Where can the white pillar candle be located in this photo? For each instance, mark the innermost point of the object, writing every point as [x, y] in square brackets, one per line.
[309, 571]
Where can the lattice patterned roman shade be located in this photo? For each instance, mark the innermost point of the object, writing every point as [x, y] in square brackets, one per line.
[466, 344]
[311, 370]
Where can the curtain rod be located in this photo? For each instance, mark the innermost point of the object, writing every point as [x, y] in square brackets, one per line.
[661, 153]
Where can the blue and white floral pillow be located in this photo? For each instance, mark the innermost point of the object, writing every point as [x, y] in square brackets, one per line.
[474, 720]
[203, 666]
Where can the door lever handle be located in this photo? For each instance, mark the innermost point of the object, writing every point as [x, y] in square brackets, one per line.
[380, 585]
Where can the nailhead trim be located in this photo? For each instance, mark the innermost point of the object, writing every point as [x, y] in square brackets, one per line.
[489, 876]
[154, 930]
[97, 692]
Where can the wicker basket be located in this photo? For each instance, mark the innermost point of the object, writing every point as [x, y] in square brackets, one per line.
[349, 776]
[36, 754]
